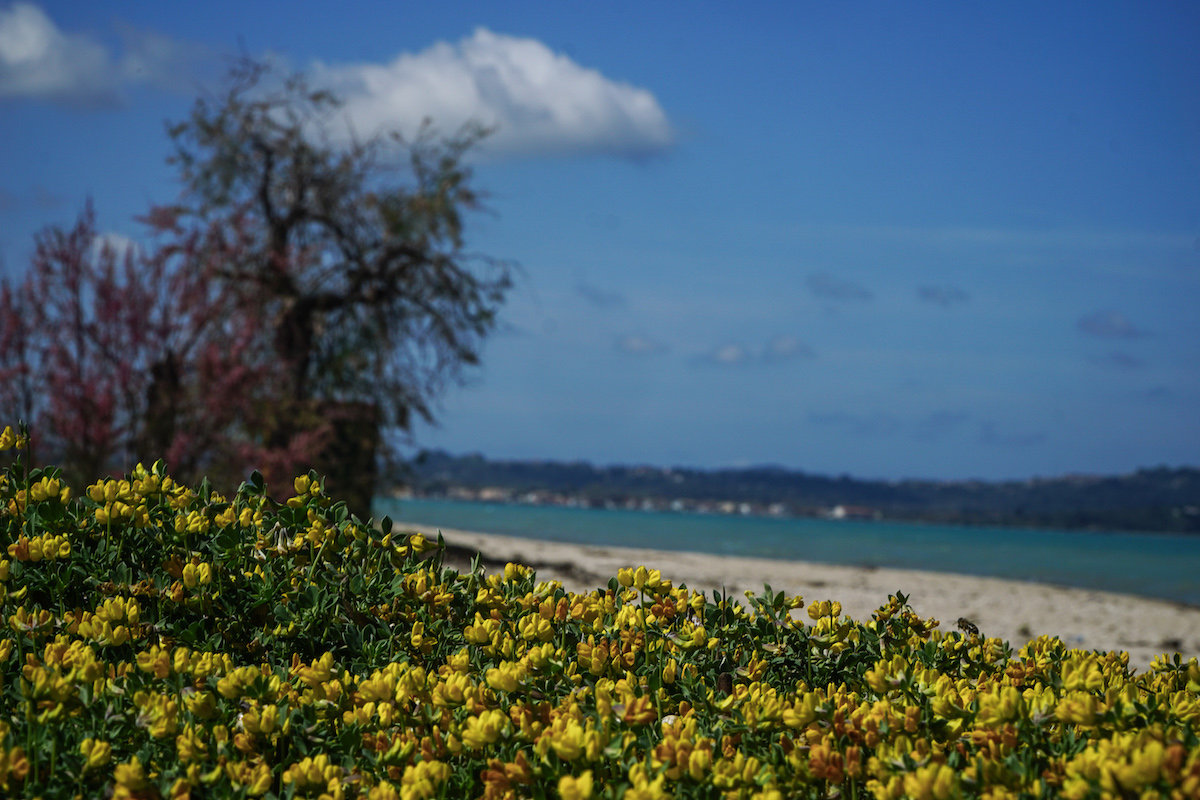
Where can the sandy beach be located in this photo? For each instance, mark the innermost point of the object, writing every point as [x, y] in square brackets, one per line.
[1012, 610]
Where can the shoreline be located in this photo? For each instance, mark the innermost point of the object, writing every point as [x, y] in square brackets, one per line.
[1015, 611]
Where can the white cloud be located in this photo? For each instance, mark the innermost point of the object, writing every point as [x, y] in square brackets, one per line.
[540, 101]
[37, 60]
[118, 244]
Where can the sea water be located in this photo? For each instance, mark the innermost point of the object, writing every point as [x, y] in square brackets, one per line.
[1161, 565]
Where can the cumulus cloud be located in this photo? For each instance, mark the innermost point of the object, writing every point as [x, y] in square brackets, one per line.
[636, 345]
[944, 296]
[538, 100]
[118, 244]
[40, 61]
[600, 298]
[830, 287]
[1109, 324]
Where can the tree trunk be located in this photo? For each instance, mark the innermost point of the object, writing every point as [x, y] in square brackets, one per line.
[348, 461]
[162, 411]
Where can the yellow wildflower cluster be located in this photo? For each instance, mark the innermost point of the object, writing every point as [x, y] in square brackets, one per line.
[10, 439]
[169, 643]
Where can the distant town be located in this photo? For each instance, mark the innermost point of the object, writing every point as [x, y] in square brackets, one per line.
[496, 494]
[1159, 499]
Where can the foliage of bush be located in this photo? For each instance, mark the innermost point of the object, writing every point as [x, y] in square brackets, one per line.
[163, 641]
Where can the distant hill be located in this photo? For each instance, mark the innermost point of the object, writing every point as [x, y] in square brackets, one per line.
[1157, 499]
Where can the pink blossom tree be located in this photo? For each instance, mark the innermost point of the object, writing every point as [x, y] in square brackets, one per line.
[117, 357]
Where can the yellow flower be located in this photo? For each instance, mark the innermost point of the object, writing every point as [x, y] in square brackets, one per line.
[311, 772]
[318, 672]
[1003, 706]
[1079, 708]
[197, 574]
[421, 780]
[824, 608]
[131, 776]
[692, 637]
[201, 704]
[646, 578]
[505, 678]
[515, 572]
[643, 788]
[45, 489]
[485, 729]
[259, 721]
[8, 439]
[638, 710]
[420, 544]
[932, 782]
[572, 788]
[97, 753]
[534, 628]
[257, 779]
[156, 660]
[190, 745]
[566, 738]
[421, 641]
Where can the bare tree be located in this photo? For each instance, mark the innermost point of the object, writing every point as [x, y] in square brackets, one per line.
[354, 260]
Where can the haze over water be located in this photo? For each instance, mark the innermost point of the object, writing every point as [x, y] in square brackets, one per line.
[1164, 566]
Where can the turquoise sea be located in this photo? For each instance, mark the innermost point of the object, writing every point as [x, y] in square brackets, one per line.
[1158, 565]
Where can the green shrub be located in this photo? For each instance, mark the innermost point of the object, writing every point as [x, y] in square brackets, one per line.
[164, 641]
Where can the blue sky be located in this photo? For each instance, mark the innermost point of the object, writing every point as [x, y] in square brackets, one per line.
[937, 240]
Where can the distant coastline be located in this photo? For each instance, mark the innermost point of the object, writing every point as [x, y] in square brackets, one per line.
[1160, 500]
[1014, 610]
[1161, 565]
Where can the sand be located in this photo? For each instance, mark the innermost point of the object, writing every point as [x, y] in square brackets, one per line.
[1012, 610]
